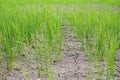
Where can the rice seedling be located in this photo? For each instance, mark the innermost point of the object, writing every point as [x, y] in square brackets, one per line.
[97, 31]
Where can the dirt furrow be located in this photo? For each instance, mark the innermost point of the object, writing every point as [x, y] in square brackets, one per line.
[73, 65]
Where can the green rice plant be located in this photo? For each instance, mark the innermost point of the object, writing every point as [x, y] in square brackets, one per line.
[76, 21]
[7, 41]
[15, 28]
[49, 41]
[53, 31]
[112, 44]
[99, 31]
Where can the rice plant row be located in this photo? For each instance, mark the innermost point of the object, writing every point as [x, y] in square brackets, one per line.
[19, 26]
[99, 33]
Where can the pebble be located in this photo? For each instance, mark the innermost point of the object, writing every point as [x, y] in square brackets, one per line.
[11, 74]
[17, 69]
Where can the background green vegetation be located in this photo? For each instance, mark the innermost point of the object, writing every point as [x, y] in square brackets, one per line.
[78, 2]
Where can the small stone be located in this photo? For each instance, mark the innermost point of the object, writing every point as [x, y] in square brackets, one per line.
[17, 69]
[83, 75]
[117, 56]
[11, 74]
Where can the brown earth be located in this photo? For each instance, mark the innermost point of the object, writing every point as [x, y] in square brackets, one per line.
[73, 66]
